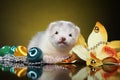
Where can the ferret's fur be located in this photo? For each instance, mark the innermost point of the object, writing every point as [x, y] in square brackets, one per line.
[57, 40]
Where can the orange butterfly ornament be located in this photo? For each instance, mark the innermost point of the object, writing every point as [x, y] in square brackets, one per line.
[98, 51]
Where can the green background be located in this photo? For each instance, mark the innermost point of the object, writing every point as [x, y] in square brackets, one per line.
[21, 19]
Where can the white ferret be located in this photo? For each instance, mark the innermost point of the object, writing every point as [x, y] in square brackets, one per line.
[57, 41]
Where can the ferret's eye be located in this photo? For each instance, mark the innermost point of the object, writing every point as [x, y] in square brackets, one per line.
[56, 32]
[70, 35]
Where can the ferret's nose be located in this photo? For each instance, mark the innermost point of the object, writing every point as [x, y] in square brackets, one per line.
[63, 38]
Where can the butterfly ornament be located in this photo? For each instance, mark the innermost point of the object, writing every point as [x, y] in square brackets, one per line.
[98, 51]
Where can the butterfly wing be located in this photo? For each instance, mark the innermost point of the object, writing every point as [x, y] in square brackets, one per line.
[115, 45]
[99, 34]
[97, 37]
[84, 73]
[80, 48]
[81, 51]
[81, 41]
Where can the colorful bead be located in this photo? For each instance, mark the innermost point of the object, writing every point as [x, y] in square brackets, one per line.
[4, 50]
[20, 72]
[12, 49]
[4, 68]
[34, 55]
[21, 51]
[34, 73]
[12, 70]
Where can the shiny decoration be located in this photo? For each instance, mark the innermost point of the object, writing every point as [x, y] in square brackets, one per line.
[4, 50]
[20, 72]
[73, 58]
[12, 49]
[4, 68]
[12, 70]
[20, 51]
[35, 55]
[98, 49]
[34, 73]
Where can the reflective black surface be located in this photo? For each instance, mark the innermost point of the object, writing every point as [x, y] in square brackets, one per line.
[59, 72]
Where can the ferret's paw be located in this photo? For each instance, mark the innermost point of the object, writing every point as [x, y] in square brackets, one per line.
[49, 59]
[52, 59]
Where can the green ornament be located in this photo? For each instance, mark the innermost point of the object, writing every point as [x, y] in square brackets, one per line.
[4, 50]
[3, 68]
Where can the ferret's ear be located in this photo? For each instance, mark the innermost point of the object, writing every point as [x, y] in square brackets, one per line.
[77, 30]
[50, 26]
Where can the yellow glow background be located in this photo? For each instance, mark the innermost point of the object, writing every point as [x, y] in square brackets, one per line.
[21, 19]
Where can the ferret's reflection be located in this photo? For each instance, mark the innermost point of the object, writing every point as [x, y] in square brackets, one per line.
[55, 72]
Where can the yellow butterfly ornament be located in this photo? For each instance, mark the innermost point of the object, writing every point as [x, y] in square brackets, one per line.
[98, 50]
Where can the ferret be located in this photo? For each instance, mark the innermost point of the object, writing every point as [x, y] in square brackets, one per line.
[56, 41]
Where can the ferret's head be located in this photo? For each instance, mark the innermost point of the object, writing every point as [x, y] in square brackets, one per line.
[63, 34]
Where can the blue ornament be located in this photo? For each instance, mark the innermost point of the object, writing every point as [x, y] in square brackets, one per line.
[12, 70]
[34, 73]
[12, 49]
[34, 55]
